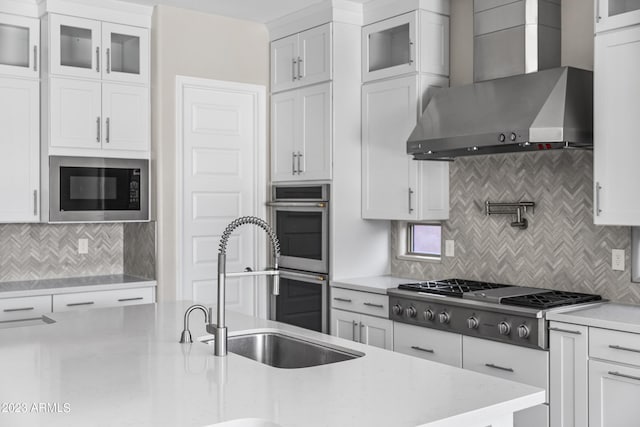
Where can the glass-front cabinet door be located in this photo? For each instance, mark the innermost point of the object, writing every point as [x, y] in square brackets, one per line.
[19, 46]
[75, 47]
[611, 14]
[126, 53]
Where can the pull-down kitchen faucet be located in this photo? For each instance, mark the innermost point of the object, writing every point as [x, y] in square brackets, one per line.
[219, 330]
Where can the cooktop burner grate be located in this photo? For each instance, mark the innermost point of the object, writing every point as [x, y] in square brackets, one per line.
[550, 299]
[450, 287]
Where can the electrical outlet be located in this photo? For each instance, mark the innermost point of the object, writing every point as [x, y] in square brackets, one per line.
[449, 248]
[617, 259]
[83, 246]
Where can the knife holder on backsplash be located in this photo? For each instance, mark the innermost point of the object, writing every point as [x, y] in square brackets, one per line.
[515, 208]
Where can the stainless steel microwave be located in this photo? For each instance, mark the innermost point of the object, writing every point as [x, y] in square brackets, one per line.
[98, 189]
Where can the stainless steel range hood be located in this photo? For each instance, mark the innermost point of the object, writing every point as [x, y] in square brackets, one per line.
[539, 110]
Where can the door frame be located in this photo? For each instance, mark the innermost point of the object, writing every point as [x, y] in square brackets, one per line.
[258, 92]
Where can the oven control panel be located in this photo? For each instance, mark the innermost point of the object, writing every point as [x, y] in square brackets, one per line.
[480, 323]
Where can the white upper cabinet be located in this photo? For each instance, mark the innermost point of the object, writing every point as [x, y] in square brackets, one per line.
[19, 46]
[616, 112]
[301, 59]
[612, 14]
[414, 42]
[92, 49]
[19, 149]
[124, 109]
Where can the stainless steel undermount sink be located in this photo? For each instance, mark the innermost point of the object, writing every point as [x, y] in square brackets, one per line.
[281, 350]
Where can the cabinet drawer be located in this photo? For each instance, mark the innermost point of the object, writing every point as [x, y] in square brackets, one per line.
[361, 302]
[430, 344]
[617, 346]
[24, 308]
[84, 300]
[524, 365]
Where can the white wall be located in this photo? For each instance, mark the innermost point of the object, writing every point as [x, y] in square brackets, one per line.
[194, 44]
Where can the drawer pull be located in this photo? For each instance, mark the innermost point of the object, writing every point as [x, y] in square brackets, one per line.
[370, 304]
[617, 347]
[75, 304]
[618, 374]
[130, 299]
[342, 299]
[12, 310]
[491, 365]
[426, 350]
[566, 330]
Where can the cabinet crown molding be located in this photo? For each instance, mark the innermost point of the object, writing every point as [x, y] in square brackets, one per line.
[100, 10]
[378, 10]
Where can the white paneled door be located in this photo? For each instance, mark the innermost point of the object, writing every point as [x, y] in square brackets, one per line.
[221, 133]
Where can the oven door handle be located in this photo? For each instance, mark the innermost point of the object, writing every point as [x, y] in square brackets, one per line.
[311, 278]
[297, 204]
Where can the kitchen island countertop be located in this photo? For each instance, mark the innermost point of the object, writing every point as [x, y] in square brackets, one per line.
[123, 366]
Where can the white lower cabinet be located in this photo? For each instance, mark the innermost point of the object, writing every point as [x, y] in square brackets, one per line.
[429, 344]
[614, 395]
[24, 308]
[86, 300]
[362, 328]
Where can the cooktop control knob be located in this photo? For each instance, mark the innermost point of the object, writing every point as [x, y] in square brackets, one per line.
[429, 314]
[502, 137]
[523, 331]
[444, 317]
[397, 309]
[504, 328]
[513, 136]
[411, 311]
[472, 322]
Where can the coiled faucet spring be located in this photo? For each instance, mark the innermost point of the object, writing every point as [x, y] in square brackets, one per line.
[249, 220]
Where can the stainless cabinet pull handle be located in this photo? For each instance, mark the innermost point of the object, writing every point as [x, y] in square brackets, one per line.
[35, 58]
[98, 129]
[130, 299]
[618, 374]
[98, 59]
[293, 163]
[410, 52]
[370, 304]
[75, 304]
[410, 197]
[598, 16]
[293, 70]
[598, 188]
[617, 347]
[108, 128]
[342, 299]
[426, 350]
[299, 73]
[300, 170]
[35, 202]
[354, 329]
[568, 331]
[108, 60]
[12, 310]
[491, 365]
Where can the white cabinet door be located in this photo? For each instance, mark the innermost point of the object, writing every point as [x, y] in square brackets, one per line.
[614, 394]
[126, 53]
[19, 46]
[568, 360]
[284, 63]
[314, 150]
[284, 136]
[74, 46]
[433, 44]
[345, 324]
[612, 14]
[389, 176]
[19, 150]
[376, 331]
[125, 113]
[75, 114]
[430, 344]
[616, 112]
[314, 55]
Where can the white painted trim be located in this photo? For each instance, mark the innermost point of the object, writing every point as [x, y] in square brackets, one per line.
[260, 180]
[23, 8]
[101, 10]
[378, 10]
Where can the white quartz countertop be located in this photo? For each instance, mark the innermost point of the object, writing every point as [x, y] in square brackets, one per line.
[123, 366]
[27, 288]
[622, 317]
[375, 284]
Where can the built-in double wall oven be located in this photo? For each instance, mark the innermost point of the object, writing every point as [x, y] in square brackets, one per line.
[299, 215]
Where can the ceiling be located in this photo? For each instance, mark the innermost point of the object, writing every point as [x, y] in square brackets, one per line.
[252, 10]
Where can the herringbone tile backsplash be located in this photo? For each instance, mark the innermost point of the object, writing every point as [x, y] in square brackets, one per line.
[561, 249]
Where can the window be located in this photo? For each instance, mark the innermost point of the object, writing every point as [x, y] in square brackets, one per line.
[419, 241]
